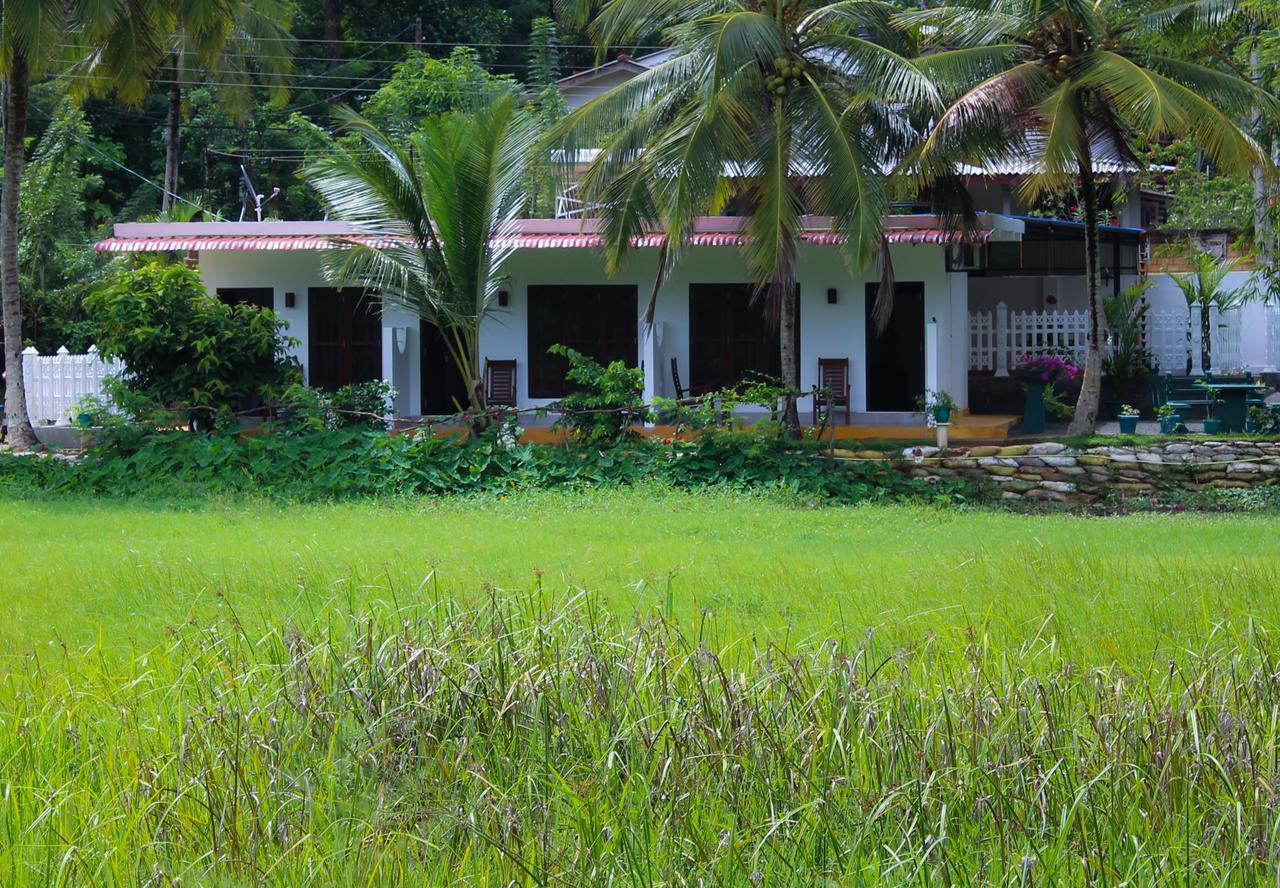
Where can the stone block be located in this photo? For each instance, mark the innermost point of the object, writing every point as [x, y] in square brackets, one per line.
[1058, 460]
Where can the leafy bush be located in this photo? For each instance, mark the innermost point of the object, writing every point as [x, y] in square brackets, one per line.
[358, 462]
[183, 346]
[606, 402]
[360, 405]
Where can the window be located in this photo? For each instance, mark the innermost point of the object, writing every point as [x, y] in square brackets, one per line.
[597, 320]
[262, 297]
[729, 337]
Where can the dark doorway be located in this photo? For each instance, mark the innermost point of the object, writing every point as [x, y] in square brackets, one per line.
[895, 358]
[729, 338]
[597, 320]
[261, 297]
[444, 390]
[344, 337]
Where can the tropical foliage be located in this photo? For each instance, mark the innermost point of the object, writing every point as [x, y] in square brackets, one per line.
[434, 209]
[1068, 84]
[776, 110]
[1205, 289]
[184, 347]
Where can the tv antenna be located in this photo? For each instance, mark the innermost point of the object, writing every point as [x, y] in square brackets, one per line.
[249, 195]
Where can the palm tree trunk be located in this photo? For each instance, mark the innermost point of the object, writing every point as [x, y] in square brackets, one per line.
[172, 144]
[1206, 340]
[1086, 416]
[332, 13]
[21, 435]
[788, 305]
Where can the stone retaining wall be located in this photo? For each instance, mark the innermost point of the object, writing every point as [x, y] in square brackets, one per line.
[1053, 471]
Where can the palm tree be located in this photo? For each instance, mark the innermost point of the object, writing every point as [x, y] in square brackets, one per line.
[1203, 288]
[435, 213]
[234, 42]
[1062, 82]
[33, 34]
[794, 105]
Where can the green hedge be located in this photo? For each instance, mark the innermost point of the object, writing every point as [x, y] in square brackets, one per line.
[346, 463]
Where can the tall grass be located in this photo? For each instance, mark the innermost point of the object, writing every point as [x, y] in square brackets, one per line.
[534, 740]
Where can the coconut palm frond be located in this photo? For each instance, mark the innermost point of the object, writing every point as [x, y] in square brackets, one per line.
[441, 210]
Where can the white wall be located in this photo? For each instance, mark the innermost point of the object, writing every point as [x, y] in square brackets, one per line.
[826, 331]
[297, 271]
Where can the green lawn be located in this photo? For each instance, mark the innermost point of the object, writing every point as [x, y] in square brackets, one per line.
[490, 692]
[82, 571]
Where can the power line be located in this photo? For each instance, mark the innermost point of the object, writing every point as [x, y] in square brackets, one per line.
[111, 160]
[416, 43]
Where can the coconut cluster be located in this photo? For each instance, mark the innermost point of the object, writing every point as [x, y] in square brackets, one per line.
[786, 75]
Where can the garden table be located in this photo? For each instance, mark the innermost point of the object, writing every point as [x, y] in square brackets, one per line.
[1234, 407]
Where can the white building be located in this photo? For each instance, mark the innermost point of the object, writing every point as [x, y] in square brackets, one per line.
[556, 291]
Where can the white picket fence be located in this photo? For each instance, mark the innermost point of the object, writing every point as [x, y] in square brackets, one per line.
[998, 339]
[56, 382]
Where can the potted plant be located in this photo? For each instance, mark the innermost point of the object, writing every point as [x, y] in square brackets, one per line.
[1170, 420]
[1128, 419]
[938, 404]
[1211, 426]
[1036, 372]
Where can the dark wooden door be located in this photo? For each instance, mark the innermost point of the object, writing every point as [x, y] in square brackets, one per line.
[344, 337]
[895, 358]
[730, 339]
[444, 390]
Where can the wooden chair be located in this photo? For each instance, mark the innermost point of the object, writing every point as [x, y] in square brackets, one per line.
[675, 380]
[833, 376]
[500, 383]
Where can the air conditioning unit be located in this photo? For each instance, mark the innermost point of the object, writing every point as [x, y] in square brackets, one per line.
[964, 257]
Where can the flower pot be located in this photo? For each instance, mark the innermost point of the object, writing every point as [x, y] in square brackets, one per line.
[1212, 426]
[1033, 411]
[1169, 425]
[1128, 424]
[942, 415]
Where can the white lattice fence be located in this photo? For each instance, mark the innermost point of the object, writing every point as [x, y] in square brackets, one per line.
[982, 341]
[1273, 335]
[999, 339]
[1167, 340]
[56, 382]
[1036, 332]
[1225, 340]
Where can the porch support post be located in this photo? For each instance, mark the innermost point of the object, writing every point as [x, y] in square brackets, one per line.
[931, 368]
[1002, 339]
[388, 352]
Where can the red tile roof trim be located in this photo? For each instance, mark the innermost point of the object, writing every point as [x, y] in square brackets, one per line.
[519, 242]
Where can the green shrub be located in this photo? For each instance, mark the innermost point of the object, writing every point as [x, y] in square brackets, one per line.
[360, 405]
[606, 401]
[359, 462]
[182, 346]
